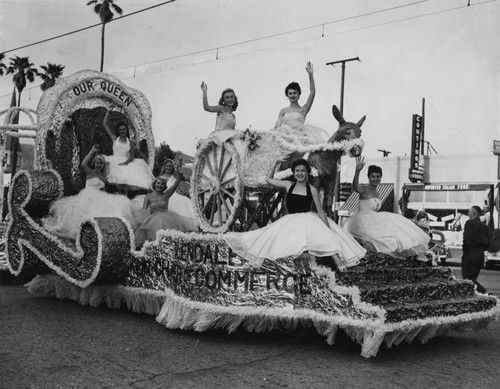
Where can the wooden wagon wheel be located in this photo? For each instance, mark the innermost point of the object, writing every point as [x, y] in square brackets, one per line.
[216, 185]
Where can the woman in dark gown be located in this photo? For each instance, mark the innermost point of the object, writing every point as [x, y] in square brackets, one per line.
[300, 230]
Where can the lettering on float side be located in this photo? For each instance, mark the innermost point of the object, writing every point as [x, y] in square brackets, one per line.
[202, 263]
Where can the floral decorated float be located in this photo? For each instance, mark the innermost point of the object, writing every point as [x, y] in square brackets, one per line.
[193, 281]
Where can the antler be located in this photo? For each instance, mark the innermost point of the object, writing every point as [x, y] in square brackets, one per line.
[337, 115]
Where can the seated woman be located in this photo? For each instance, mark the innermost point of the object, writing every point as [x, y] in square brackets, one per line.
[225, 122]
[67, 213]
[179, 204]
[299, 231]
[421, 219]
[385, 232]
[291, 119]
[156, 216]
[127, 173]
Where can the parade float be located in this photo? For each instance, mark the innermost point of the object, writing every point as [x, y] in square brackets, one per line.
[193, 281]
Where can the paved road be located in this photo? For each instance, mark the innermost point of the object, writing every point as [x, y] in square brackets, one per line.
[50, 343]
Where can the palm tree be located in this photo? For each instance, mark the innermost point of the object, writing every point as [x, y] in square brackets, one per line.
[105, 8]
[50, 74]
[23, 70]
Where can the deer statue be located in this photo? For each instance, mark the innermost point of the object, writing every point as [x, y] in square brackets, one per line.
[326, 161]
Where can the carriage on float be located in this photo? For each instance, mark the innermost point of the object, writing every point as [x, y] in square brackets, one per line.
[228, 186]
[225, 193]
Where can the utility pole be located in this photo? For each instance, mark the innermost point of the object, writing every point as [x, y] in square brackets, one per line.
[337, 179]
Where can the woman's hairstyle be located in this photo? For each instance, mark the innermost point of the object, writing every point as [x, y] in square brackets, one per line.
[294, 86]
[301, 162]
[422, 215]
[159, 178]
[374, 169]
[167, 160]
[98, 157]
[119, 124]
[221, 100]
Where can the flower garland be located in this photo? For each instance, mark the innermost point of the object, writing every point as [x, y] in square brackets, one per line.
[295, 144]
[252, 137]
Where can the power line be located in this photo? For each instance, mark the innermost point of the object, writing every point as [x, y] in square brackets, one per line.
[218, 57]
[87, 28]
[323, 35]
[283, 33]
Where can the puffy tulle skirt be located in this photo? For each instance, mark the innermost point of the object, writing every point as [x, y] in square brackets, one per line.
[147, 224]
[220, 136]
[181, 205]
[305, 134]
[67, 214]
[388, 233]
[135, 175]
[291, 236]
[178, 204]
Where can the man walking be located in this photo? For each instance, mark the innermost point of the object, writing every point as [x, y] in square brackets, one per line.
[476, 242]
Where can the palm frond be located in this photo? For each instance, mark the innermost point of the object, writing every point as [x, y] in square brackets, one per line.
[117, 9]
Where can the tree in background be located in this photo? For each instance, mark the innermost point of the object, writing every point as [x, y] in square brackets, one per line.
[22, 71]
[51, 72]
[163, 152]
[105, 8]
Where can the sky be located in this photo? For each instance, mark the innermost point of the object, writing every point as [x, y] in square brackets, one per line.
[440, 50]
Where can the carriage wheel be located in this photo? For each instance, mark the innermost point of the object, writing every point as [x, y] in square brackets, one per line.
[216, 186]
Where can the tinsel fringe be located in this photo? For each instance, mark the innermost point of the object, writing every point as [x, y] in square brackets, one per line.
[177, 312]
[137, 300]
[423, 330]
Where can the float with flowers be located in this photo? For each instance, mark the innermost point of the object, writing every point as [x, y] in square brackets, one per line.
[193, 281]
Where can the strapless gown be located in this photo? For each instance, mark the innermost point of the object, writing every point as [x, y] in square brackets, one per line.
[293, 127]
[386, 232]
[148, 222]
[136, 174]
[67, 213]
[225, 125]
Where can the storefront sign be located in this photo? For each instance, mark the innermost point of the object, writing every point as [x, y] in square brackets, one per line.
[451, 187]
[416, 173]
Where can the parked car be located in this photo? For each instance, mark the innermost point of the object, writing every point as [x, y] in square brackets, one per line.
[492, 256]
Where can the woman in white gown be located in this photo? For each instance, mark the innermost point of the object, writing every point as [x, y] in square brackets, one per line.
[125, 171]
[300, 231]
[385, 232]
[156, 214]
[67, 213]
[291, 119]
[179, 204]
[225, 122]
